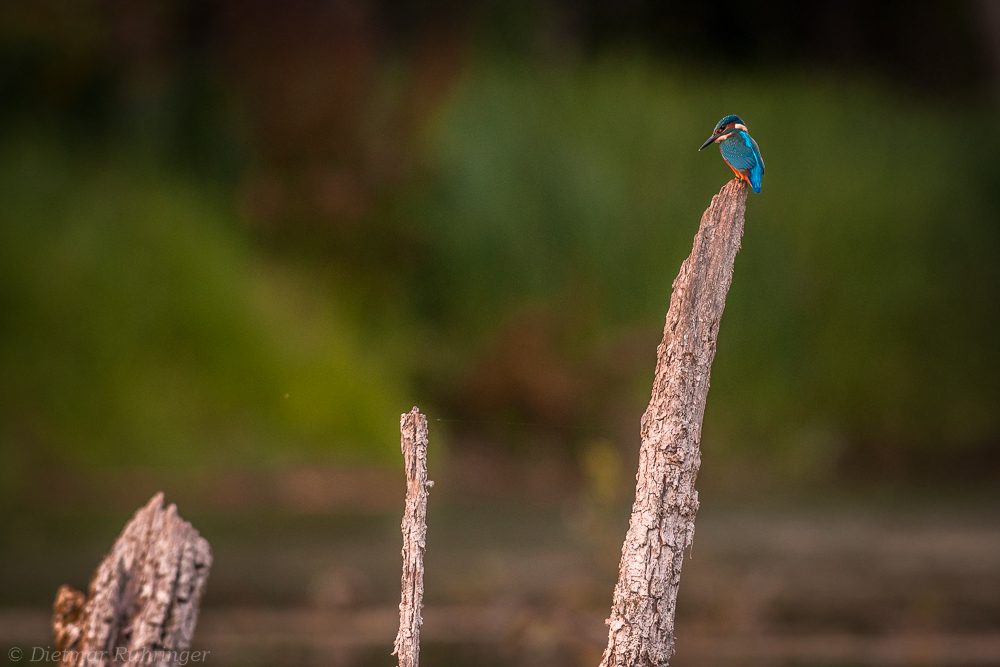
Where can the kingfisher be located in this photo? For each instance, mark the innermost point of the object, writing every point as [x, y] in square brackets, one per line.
[739, 150]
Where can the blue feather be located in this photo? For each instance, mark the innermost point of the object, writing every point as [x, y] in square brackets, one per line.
[743, 155]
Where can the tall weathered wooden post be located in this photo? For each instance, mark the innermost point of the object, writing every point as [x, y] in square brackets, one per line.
[641, 626]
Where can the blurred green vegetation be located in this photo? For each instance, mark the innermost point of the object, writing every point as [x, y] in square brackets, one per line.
[144, 323]
[139, 327]
[863, 309]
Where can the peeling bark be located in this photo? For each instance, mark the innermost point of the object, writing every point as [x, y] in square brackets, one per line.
[641, 626]
[413, 442]
[143, 600]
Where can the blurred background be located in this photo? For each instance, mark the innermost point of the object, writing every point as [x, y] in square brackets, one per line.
[239, 238]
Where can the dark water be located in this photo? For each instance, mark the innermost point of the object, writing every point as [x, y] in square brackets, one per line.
[532, 585]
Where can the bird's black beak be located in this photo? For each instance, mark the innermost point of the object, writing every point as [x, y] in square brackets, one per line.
[709, 142]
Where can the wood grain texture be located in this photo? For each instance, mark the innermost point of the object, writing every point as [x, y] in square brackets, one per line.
[142, 604]
[413, 442]
[641, 626]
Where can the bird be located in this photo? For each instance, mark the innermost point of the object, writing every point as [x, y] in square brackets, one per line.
[739, 150]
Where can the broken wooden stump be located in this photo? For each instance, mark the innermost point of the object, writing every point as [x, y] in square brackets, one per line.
[641, 626]
[142, 604]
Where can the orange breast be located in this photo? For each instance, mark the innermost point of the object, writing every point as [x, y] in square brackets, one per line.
[739, 174]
